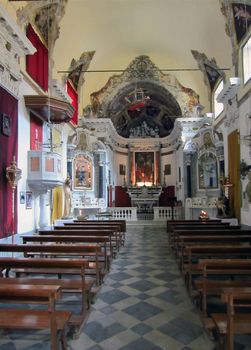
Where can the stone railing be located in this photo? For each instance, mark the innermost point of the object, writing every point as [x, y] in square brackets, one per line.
[126, 213]
[168, 213]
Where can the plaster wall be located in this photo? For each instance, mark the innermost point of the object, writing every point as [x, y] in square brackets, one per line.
[170, 180]
[121, 159]
[245, 150]
[26, 217]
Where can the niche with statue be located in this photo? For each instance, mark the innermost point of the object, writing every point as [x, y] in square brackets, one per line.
[207, 171]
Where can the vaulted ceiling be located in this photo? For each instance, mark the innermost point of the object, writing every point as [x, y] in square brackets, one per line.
[121, 30]
[165, 30]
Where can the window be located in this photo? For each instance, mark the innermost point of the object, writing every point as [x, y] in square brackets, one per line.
[246, 61]
[218, 107]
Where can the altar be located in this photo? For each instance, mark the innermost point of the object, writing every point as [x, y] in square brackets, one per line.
[144, 196]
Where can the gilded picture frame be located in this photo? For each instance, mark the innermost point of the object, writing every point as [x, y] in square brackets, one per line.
[82, 172]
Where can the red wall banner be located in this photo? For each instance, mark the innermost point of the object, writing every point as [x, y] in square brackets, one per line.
[8, 147]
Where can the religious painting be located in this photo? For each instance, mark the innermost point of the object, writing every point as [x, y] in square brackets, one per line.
[242, 19]
[167, 169]
[22, 197]
[122, 169]
[144, 168]
[28, 200]
[6, 125]
[83, 172]
[207, 171]
[212, 74]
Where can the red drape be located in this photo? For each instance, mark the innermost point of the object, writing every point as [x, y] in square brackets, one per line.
[74, 96]
[36, 132]
[166, 197]
[8, 149]
[122, 198]
[37, 65]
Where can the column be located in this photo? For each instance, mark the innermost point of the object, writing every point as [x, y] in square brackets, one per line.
[43, 218]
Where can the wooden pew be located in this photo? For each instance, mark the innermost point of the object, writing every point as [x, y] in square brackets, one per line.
[96, 268]
[27, 319]
[121, 224]
[222, 267]
[185, 240]
[103, 239]
[95, 237]
[193, 253]
[51, 267]
[234, 322]
[192, 222]
[118, 235]
[62, 250]
[231, 230]
[101, 222]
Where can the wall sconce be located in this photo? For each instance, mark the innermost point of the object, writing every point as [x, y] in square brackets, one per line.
[13, 174]
[229, 90]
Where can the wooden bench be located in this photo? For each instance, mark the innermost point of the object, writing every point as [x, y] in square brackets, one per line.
[233, 322]
[182, 241]
[192, 222]
[118, 235]
[93, 269]
[61, 250]
[174, 235]
[224, 267]
[193, 253]
[51, 267]
[122, 223]
[28, 319]
[207, 287]
[95, 237]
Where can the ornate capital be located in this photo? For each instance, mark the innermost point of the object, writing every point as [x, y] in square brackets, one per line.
[13, 45]
[77, 69]
[210, 70]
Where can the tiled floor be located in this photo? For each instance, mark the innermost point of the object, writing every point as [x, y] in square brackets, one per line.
[143, 305]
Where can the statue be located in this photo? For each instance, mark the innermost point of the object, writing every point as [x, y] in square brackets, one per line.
[67, 198]
[248, 187]
[222, 205]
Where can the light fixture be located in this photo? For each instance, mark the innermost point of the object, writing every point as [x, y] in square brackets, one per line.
[13, 174]
[229, 90]
[203, 215]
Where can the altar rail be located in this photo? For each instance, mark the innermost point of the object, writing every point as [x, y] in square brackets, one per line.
[168, 213]
[126, 213]
[160, 213]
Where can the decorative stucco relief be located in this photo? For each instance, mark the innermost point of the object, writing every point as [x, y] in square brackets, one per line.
[238, 22]
[13, 45]
[210, 70]
[77, 70]
[142, 69]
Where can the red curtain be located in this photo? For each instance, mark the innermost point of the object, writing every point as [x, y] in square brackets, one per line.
[37, 65]
[8, 147]
[36, 132]
[122, 198]
[74, 96]
[167, 196]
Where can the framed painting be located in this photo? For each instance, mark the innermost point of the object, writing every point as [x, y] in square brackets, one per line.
[144, 168]
[167, 169]
[82, 172]
[28, 200]
[6, 125]
[22, 197]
